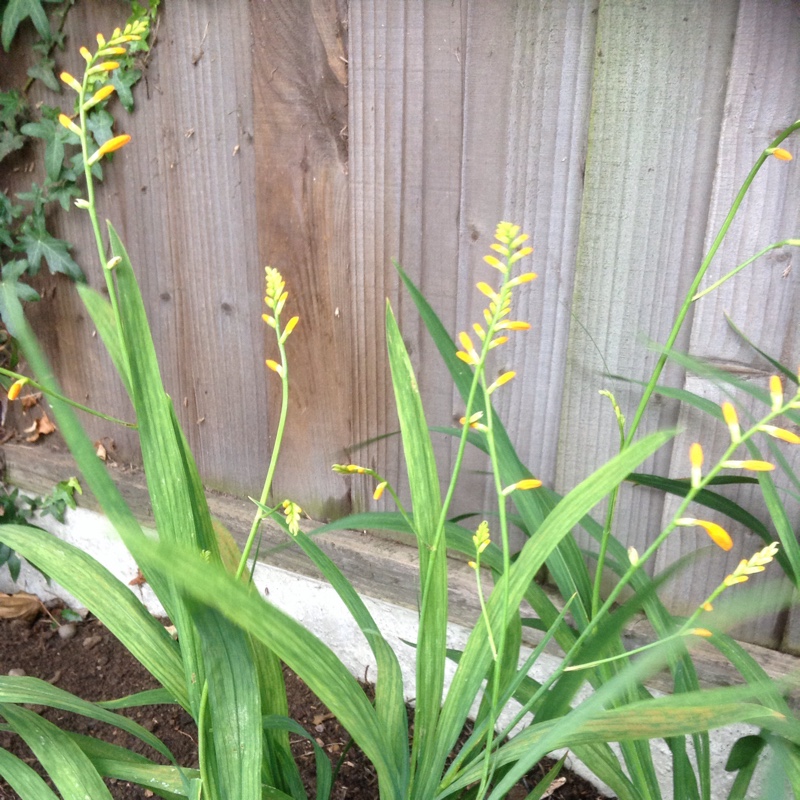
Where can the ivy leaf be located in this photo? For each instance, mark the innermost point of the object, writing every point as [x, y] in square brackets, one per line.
[10, 142]
[12, 105]
[124, 80]
[44, 71]
[39, 244]
[12, 272]
[101, 124]
[19, 10]
[63, 192]
[9, 212]
[54, 144]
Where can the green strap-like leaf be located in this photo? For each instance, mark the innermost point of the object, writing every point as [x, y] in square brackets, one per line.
[62, 759]
[423, 480]
[22, 779]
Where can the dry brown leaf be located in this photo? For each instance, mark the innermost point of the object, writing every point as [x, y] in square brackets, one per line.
[29, 401]
[46, 425]
[20, 606]
[101, 451]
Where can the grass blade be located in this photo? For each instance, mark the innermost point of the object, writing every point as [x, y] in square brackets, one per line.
[22, 779]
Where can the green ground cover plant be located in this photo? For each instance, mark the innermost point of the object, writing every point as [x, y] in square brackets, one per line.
[225, 667]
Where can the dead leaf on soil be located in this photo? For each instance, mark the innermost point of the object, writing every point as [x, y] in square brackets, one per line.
[20, 606]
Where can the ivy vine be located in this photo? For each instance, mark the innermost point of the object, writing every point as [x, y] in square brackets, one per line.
[25, 240]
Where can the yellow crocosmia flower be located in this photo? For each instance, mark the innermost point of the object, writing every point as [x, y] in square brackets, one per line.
[506, 232]
[292, 512]
[526, 251]
[732, 580]
[484, 288]
[775, 392]
[497, 342]
[755, 466]
[780, 433]
[496, 263]
[499, 248]
[105, 66]
[696, 460]
[87, 56]
[466, 358]
[290, 326]
[378, 493]
[481, 537]
[707, 606]
[110, 146]
[69, 124]
[269, 320]
[780, 154]
[101, 40]
[99, 96]
[472, 565]
[523, 485]
[16, 388]
[523, 237]
[479, 331]
[70, 81]
[526, 277]
[732, 421]
[504, 378]
[704, 632]
[274, 366]
[718, 534]
[469, 354]
[513, 325]
[113, 51]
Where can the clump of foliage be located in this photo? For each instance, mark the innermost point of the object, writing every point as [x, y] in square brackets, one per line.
[26, 124]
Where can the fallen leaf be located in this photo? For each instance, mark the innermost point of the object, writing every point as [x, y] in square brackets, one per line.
[30, 400]
[138, 579]
[46, 425]
[101, 451]
[20, 606]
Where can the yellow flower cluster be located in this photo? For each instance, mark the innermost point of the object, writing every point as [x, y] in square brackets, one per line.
[275, 299]
[97, 72]
[752, 565]
[509, 245]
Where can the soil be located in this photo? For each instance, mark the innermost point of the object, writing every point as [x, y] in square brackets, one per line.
[95, 666]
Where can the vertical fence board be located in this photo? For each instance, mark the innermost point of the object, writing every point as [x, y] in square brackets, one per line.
[656, 106]
[300, 90]
[765, 47]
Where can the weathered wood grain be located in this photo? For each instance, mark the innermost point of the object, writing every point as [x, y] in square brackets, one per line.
[763, 300]
[657, 92]
[300, 97]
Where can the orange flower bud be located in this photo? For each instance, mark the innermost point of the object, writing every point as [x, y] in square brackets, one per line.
[70, 81]
[780, 154]
[718, 534]
[16, 388]
[775, 392]
[69, 124]
[732, 421]
[109, 147]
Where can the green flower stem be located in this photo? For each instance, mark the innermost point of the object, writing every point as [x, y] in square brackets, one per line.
[260, 514]
[673, 336]
[651, 550]
[774, 246]
[40, 388]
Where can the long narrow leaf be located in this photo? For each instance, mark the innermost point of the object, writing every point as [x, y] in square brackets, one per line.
[70, 770]
[109, 599]
[423, 480]
[22, 779]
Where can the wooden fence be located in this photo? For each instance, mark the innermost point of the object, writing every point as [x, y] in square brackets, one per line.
[327, 138]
